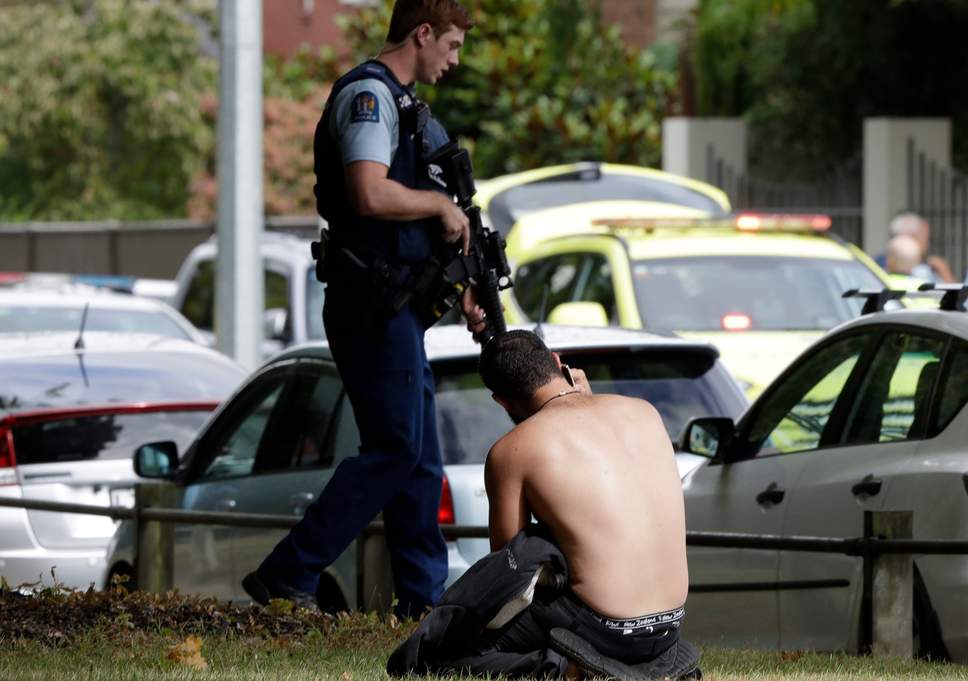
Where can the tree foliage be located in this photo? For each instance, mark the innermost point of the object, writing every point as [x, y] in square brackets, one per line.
[807, 72]
[541, 82]
[100, 109]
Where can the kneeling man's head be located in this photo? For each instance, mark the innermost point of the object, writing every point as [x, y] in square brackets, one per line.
[521, 372]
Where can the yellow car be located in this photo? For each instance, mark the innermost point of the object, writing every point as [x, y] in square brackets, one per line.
[506, 199]
[761, 288]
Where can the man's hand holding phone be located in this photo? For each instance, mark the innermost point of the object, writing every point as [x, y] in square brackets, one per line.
[577, 378]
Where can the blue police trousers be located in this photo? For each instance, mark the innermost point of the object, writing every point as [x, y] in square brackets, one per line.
[398, 469]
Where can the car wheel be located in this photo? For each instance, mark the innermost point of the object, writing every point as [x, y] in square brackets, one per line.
[329, 596]
[928, 643]
[122, 575]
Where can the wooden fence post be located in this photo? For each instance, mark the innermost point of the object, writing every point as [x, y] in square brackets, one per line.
[889, 586]
[374, 582]
[154, 541]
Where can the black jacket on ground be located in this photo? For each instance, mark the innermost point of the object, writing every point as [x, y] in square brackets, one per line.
[455, 625]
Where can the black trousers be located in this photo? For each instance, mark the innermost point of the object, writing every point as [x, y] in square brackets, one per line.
[522, 647]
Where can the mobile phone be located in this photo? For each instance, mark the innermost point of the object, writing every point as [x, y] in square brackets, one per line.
[566, 371]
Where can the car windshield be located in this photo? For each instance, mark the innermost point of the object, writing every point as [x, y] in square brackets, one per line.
[755, 293]
[315, 294]
[590, 184]
[681, 385]
[42, 318]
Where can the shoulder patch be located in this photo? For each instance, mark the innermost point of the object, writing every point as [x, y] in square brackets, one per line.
[365, 108]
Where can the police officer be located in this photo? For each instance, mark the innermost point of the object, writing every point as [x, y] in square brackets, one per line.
[384, 218]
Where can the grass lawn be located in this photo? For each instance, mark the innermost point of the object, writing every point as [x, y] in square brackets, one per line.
[107, 636]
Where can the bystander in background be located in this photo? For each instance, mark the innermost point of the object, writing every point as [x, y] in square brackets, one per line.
[933, 268]
[902, 259]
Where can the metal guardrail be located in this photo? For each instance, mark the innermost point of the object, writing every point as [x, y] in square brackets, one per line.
[886, 550]
[225, 518]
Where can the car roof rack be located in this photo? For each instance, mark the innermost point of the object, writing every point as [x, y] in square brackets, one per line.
[876, 300]
[954, 296]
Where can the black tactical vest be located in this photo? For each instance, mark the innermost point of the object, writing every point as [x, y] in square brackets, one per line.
[371, 239]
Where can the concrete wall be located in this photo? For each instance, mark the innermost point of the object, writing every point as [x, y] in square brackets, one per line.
[686, 142]
[152, 250]
[885, 168]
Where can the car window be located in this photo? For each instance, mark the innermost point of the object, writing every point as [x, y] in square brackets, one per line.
[794, 416]
[681, 385]
[590, 184]
[315, 296]
[773, 293]
[63, 381]
[954, 389]
[103, 436]
[559, 274]
[239, 431]
[895, 395]
[595, 285]
[199, 303]
[298, 436]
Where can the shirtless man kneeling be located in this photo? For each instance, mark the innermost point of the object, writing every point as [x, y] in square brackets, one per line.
[599, 472]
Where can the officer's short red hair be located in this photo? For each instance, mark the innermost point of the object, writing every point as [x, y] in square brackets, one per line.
[440, 14]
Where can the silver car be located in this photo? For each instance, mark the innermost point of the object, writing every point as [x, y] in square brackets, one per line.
[273, 445]
[69, 422]
[872, 417]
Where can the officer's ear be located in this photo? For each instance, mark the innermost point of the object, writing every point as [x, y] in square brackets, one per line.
[423, 34]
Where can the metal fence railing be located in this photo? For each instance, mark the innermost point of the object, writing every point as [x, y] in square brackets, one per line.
[886, 550]
[940, 195]
[839, 195]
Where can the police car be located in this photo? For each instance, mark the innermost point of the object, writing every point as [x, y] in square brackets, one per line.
[506, 199]
[871, 417]
[760, 287]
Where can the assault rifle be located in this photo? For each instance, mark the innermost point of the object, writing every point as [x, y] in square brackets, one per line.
[438, 284]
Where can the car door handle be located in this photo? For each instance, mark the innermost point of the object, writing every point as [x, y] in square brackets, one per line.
[771, 496]
[868, 487]
[302, 498]
[225, 505]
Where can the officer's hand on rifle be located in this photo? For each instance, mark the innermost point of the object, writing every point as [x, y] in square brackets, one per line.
[456, 225]
[473, 313]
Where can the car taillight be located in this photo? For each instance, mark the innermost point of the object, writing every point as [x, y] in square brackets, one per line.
[8, 462]
[445, 514]
[736, 321]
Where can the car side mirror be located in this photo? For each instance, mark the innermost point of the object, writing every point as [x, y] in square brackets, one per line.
[156, 460]
[579, 314]
[274, 322]
[708, 436]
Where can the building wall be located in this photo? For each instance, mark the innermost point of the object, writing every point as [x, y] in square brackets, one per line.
[635, 17]
[288, 24]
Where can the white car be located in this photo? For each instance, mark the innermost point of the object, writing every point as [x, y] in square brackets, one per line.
[38, 308]
[273, 446]
[293, 311]
[871, 417]
[70, 420]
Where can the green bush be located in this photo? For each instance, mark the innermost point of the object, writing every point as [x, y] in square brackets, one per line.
[541, 82]
[100, 109]
[805, 73]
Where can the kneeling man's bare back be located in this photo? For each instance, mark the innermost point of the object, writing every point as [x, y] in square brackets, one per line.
[598, 471]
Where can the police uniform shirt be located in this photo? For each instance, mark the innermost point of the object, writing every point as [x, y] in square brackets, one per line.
[364, 122]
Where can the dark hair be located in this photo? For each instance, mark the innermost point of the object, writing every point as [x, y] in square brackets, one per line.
[440, 14]
[515, 364]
